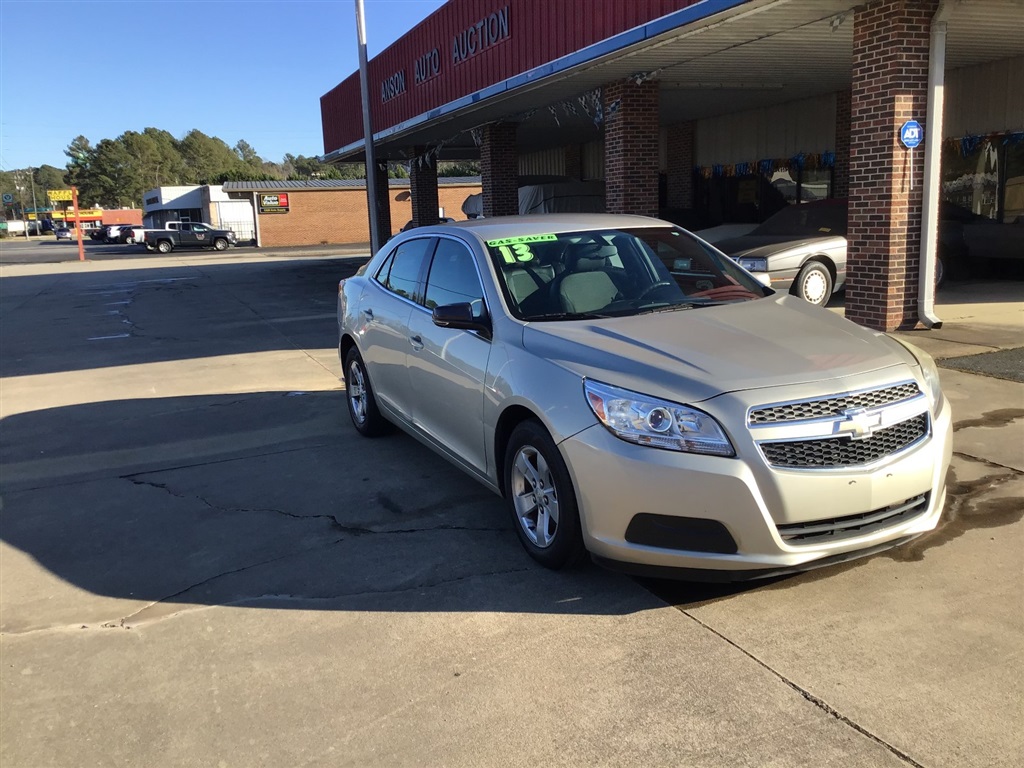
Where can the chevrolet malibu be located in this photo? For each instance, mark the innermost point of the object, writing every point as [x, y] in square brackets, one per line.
[633, 393]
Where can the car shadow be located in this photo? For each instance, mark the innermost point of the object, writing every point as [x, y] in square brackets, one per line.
[259, 499]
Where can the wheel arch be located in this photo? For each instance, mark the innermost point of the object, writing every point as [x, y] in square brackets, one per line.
[510, 418]
[825, 260]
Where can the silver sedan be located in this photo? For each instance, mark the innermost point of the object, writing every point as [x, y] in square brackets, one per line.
[633, 393]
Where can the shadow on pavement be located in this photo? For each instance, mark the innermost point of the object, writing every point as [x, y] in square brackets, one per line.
[260, 499]
[182, 312]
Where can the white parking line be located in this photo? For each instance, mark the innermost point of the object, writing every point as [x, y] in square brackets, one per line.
[115, 336]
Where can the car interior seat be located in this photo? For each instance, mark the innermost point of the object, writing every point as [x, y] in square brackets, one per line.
[585, 286]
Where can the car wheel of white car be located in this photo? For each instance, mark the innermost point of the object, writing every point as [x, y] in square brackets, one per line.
[541, 499]
[164, 246]
[814, 283]
[362, 406]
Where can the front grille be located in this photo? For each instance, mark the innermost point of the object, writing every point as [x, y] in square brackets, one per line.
[845, 451]
[839, 528]
[833, 406]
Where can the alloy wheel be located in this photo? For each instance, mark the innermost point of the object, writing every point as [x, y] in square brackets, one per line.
[534, 496]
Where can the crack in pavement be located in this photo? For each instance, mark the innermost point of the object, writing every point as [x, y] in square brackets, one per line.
[821, 704]
[335, 524]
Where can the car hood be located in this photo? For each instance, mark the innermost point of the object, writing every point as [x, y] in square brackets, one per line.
[762, 246]
[695, 354]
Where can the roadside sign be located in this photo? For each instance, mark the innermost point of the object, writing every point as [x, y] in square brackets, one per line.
[59, 194]
[911, 134]
[8, 198]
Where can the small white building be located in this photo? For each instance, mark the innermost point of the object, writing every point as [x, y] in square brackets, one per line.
[209, 204]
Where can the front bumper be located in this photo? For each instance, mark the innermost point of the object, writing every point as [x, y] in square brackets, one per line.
[616, 480]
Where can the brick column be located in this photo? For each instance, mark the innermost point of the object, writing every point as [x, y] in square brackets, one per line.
[423, 187]
[573, 161]
[890, 77]
[383, 203]
[841, 172]
[631, 147]
[681, 160]
[499, 170]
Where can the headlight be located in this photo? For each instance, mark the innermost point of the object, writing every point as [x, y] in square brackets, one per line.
[754, 265]
[646, 420]
[930, 372]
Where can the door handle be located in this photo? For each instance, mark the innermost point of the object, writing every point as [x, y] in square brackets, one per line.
[416, 341]
[369, 313]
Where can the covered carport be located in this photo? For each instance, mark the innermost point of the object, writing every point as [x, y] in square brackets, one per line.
[662, 99]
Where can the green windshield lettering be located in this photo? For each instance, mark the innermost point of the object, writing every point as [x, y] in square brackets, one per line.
[522, 239]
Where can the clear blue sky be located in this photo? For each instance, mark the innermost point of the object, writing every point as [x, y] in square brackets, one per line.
[236, 69]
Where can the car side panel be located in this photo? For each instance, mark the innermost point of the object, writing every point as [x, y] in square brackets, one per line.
[380, 326]
[446, 378]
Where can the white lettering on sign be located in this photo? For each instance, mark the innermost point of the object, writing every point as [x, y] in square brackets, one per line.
[393, 86]
[427, 66]
[480, 36]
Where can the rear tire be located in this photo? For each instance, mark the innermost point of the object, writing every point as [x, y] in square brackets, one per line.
[814, 283]
[541, 498]
[164, 246]
[362, 405]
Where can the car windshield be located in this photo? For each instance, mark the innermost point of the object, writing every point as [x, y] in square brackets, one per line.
[615, 273]
[810, 220]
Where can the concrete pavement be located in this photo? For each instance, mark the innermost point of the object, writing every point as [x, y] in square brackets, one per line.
[202, 564]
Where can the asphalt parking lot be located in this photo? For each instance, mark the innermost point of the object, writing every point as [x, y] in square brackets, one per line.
[201, 563]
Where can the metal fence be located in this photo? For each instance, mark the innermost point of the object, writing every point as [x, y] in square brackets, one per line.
[245, 231]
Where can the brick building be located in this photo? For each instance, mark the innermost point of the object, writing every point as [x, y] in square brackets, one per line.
[286, 213]
[721, 111]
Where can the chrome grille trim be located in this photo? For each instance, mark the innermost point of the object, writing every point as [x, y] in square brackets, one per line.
[833, 405]
[839, 528]
[843, 452]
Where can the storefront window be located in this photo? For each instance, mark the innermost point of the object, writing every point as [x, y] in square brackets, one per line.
[970, 176]
[1013, 191]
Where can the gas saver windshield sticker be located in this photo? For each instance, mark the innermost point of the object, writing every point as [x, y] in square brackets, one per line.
[521, 239]
[517, 249]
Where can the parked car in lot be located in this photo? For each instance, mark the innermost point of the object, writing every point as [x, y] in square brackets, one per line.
[188, 235]
[633, 393]
[803, 247]
[98, 233]
[64, 233]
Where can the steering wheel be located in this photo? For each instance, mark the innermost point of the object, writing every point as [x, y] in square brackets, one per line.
[652, 288]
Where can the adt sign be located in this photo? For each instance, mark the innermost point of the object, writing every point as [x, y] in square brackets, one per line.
[911, 134]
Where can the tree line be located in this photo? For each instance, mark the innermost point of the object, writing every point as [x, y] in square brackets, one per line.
[115, 173]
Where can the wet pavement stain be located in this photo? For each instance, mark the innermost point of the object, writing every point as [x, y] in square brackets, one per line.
[964, 511]
[999, 418]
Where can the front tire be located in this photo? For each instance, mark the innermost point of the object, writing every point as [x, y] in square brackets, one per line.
[164, 246]
[362, 405]
[541, 498]
[220, 244]
[814, 283]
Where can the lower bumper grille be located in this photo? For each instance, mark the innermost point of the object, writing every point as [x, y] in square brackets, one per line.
[839, 528]
[829, 452]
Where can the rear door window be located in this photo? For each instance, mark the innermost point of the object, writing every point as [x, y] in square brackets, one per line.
[402, 272]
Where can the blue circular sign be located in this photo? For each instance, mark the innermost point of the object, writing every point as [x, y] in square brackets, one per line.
[8, 197]
[911, 134]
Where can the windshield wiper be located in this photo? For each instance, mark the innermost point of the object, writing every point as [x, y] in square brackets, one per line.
[670, 308]
[568, 316]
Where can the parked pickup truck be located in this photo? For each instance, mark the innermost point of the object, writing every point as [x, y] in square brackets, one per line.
[188, 235]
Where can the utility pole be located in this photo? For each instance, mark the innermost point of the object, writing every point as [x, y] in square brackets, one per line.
[21, 194]
[35, 208]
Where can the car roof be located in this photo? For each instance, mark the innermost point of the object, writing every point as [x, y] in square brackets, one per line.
[500, 227]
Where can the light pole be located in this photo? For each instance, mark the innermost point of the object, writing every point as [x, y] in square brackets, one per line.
[371, 163]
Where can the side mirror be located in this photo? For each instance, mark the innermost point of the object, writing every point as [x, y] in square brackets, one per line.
[460, 316]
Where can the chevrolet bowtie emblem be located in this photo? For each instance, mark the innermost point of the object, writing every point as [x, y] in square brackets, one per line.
[859, 424]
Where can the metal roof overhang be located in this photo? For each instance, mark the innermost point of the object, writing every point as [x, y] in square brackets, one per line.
[715, 57]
